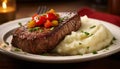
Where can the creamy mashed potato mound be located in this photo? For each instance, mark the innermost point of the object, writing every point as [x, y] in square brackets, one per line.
[92, 36]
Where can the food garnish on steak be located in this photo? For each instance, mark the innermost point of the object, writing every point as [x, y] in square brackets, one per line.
[44, 32]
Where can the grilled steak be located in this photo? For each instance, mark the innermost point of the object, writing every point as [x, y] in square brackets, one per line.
[40, 42]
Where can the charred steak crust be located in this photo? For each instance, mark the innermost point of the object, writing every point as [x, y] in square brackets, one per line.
[38, 43]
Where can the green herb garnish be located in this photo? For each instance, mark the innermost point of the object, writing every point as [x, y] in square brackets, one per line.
[17, 49]
[86, 33]
[88, 47]
[7, 43]
[30, 30]
[34, 29]
[60, 20]
[93, 26]
[80, 43]
[20, 24]
[94, 52]
[80, 54]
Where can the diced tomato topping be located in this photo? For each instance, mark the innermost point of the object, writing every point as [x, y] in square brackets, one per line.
[51, 16]
[49, 19]
[47, 24]
[42, 20]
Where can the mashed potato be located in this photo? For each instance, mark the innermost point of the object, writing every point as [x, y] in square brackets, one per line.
[91, 36]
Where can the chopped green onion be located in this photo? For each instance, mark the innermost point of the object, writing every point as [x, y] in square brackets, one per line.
[60, 20]
[30, 30]
[94, 52]
[93, 26]
[20, 24]
[7, 43]
[88, 47]
[17, 49]
[80, 43]
[34, 29]
[86, 33]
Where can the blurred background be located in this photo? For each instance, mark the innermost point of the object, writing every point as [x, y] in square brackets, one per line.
[26, 8]
[29, 7]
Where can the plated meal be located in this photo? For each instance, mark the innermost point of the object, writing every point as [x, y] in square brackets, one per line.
[44, 32]
[59, 34]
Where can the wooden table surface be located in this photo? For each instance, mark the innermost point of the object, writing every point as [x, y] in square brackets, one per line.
[28, 9]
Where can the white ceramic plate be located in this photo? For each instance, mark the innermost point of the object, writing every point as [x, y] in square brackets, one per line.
[5, 35]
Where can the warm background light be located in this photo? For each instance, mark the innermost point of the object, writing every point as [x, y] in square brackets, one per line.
[4, 4]
[7, 10]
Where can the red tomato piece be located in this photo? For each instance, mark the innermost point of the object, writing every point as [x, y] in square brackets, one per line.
[42, 20]
[51, 16]
[47, 24]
